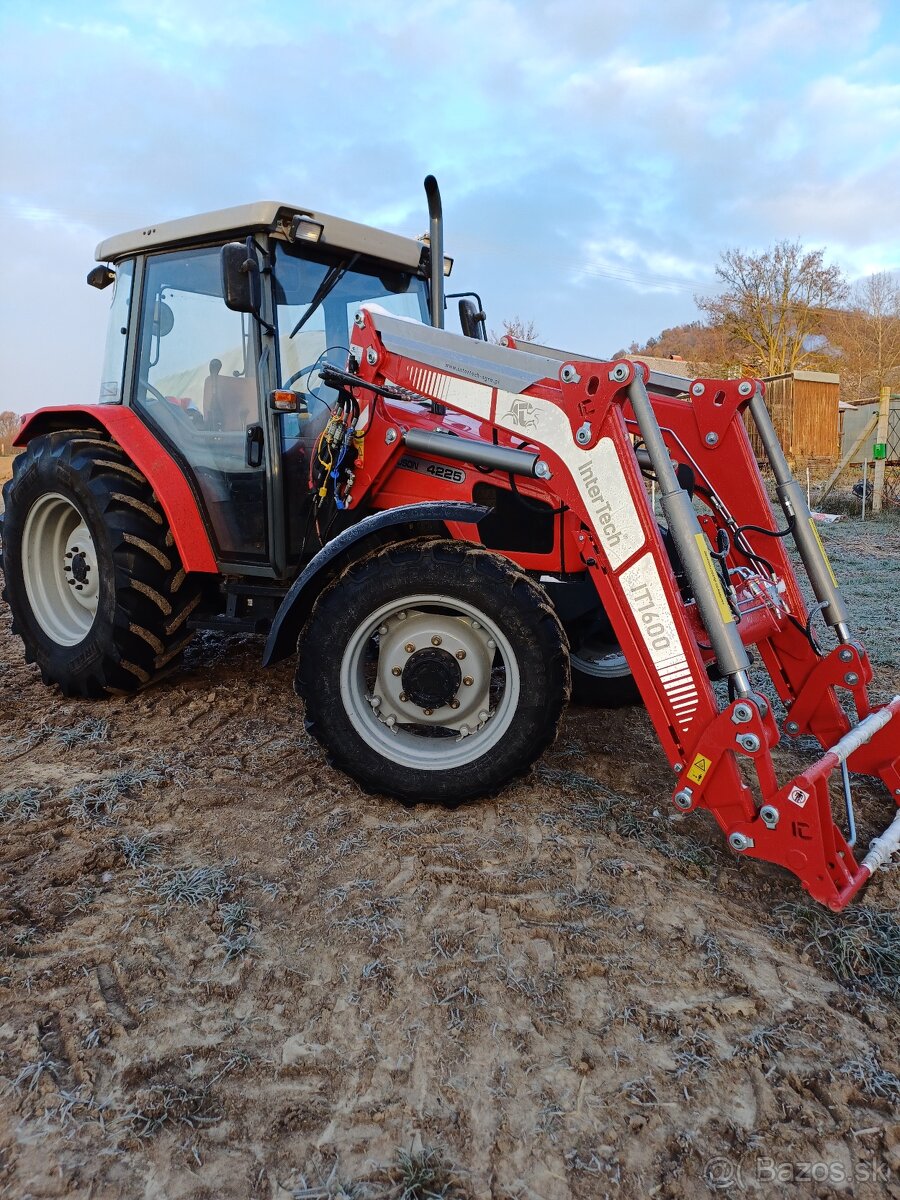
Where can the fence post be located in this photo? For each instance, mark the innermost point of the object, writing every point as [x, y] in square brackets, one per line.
[884, 412]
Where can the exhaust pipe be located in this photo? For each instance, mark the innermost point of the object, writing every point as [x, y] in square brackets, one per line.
[436, 242]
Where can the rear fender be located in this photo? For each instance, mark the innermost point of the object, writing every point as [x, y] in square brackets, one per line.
[366, 535]
[150, 457]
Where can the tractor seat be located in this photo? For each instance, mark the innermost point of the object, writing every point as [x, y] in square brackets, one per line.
[229, 401]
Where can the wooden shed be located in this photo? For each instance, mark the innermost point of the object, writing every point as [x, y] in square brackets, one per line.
[804, 408]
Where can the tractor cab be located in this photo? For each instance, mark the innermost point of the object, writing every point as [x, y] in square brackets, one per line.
[217, 345]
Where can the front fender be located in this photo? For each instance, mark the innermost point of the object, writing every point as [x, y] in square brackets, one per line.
[352, 543]
[150, 457]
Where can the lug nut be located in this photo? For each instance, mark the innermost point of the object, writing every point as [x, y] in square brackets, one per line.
[460, 654]
[403, 697]
[396, 671]
[383, 629]
[454, 704]
[428, 711]
[409, 647]
[468, 681]
[436, 640]
[492, 645]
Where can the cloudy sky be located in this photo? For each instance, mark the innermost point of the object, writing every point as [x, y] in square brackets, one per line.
[595, 156]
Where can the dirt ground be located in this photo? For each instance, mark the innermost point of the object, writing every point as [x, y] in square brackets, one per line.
[228, 973]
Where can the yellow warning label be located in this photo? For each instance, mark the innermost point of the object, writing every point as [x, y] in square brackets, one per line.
[714, 580]
[699, 767]
[812, 522]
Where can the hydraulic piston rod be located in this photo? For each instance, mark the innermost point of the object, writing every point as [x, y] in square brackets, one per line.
[793, 502]
[689, 539]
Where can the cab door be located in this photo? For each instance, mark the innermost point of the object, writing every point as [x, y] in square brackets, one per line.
[196, 383]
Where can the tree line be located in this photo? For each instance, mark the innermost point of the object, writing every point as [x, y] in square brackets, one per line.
[10, 423]
[787, 309]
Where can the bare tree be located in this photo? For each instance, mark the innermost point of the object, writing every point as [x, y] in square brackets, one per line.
[702, 343]
[772, 304]
[10, 424]
[521, 331]
[866, 336]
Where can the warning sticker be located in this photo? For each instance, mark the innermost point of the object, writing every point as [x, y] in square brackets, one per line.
[699, 767]
[714, 581]
[797, 796]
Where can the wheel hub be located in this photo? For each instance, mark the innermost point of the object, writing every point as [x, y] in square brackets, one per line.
[431, 678]
[374, 680]
[433, 669]
[80, 567]
[59, 566]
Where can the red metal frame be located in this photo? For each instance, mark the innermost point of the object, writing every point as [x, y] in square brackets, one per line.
[151, 458]
[666, 649]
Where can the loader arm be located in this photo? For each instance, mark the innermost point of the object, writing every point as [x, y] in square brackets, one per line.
[572, 424]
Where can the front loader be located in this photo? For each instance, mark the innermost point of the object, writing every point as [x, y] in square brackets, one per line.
[445, 531]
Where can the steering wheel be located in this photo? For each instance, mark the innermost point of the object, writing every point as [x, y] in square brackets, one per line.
[154, 392]
[191, 415]
[298, 374]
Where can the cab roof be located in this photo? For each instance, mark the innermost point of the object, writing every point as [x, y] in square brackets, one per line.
[264, 216]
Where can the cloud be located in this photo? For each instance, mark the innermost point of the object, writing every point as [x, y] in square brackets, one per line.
[594, 159]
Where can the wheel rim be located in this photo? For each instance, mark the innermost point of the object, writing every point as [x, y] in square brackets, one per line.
[59, 566]
[443, 703]
[603, 660]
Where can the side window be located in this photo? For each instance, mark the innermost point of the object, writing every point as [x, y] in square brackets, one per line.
[197, 384]
[117, 335]
[194, 351]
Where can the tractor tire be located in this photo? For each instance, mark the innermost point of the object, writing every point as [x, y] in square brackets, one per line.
[433, 670]
[92, 576]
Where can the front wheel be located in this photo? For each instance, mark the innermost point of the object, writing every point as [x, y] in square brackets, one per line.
[433, 670]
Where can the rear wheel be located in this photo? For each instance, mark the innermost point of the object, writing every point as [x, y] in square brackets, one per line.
[433, 670]
[92, 576]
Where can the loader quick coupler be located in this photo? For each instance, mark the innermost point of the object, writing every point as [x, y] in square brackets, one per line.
[588, 431]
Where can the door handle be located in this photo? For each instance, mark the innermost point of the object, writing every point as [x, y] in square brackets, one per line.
[255, 445]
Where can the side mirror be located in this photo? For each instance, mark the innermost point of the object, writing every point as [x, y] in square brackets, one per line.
[101, 277]
[240, 277]
[163, 319]
[472, 320]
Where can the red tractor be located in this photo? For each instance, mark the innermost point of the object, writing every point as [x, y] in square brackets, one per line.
[451, 533]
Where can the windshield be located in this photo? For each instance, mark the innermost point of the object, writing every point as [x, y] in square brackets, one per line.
[316, 300]
[322, 298]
